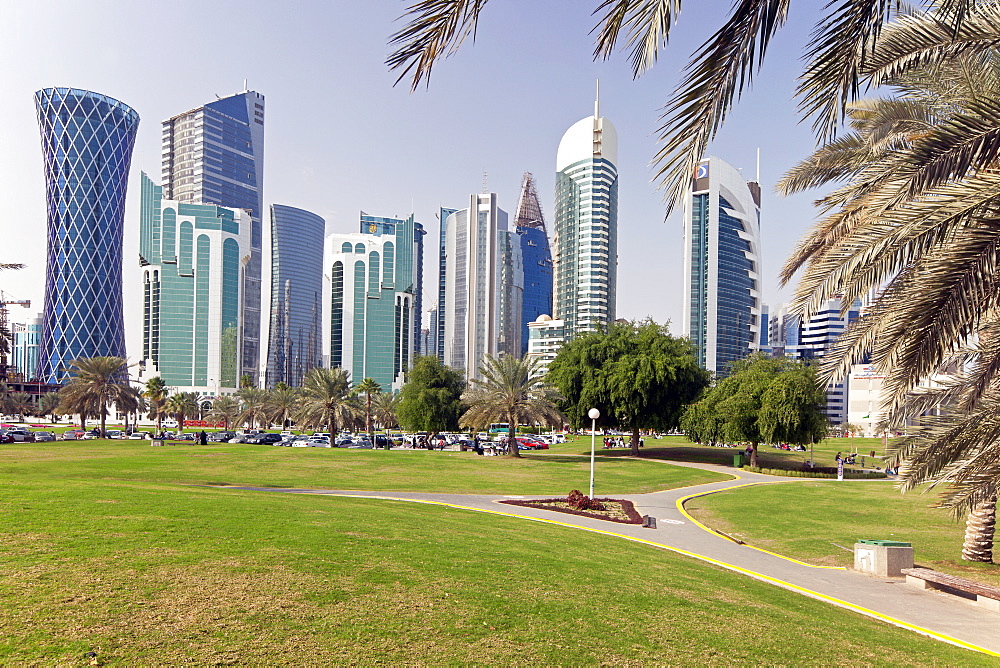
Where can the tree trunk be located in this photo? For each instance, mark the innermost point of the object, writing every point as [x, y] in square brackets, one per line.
[512, 449]
[753, 454]
[979, 528]
[635, 441]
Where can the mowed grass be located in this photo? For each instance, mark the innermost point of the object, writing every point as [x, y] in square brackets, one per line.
[678, 448]
[809, 520]
[152, 574]
[338, 468]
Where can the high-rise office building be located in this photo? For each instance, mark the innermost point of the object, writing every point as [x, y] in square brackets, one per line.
[370, 300]
[87, 141]
[443, 215]
[432, 335]
[722, 300]
[26, 337]
[295, 327]
[418, 315]
[193, 257]
[482, 266]
[535, 256]
[586, 238]
[510, 298]
[215, 155]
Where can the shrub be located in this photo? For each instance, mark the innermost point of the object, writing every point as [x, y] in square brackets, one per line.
[577, 500]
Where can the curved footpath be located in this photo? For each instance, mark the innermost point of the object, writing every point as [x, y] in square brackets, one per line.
[934, 614]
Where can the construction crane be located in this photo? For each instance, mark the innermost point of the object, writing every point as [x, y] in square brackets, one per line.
[5, 301]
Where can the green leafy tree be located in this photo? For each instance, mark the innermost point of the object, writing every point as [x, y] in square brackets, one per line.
[182, 405]
[97, 382]
[156, 393]
[368, 387]
[225, 409]
[763, 400]
[431, 399]
[636, 374]
[327, 400]
[512, 390]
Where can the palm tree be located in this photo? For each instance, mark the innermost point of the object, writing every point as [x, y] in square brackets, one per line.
[226, 410]
[255, 406]
[156, 392]
[48, 404]
[511, 390]
[914, 221]
[282, 402]
[837, 54]
[182, 405]
[327, 399]
[384, 409]
[96, 383]
[368, 387]
[21, 404]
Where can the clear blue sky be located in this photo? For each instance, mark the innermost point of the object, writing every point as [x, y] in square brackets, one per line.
[340, 138]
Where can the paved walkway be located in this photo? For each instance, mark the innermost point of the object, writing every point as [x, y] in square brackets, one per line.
[935, 614]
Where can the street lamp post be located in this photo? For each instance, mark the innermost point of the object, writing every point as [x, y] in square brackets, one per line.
[593, 414]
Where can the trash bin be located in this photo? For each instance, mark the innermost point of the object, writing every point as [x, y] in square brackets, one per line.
[883, 558]
[738, 460]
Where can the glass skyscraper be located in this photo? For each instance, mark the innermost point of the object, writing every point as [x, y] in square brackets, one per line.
[295, 327]
[371, 297]
[87, 141]
[192, 259]
[536, 258]
[439, 327]
[586, 238]
[215, 155]
[722, 300]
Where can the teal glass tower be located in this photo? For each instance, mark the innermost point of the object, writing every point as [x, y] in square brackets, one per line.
[372, 299]
[192, 258]
[87, 141]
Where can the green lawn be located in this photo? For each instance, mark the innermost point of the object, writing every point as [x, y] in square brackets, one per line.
[339, 468]
[808, 520]
[680, 449]
[146, 573]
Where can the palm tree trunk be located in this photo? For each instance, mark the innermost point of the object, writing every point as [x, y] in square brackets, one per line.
[979, 529]
[512, 448]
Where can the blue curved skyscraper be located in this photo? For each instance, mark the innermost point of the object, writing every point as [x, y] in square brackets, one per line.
[296, 294]
[536, 258]
[87, 141]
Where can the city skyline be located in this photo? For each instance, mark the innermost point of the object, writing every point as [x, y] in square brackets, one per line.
[321, 166]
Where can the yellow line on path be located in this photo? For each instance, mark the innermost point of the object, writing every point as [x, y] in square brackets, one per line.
[716, 562]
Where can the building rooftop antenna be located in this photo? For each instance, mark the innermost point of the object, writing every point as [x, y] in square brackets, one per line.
[758, 164]
[485, 183]
[597, 100]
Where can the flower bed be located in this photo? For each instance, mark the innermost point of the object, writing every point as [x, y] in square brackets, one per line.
[614, 510]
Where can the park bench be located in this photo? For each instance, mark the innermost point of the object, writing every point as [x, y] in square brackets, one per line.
[925, 578]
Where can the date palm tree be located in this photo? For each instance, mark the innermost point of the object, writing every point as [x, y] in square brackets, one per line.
[368, 387]
[914, 221]
[282, 402]
[48, 404]
[21, 404]
[181, 406]
[327, 400]
[384, 406]
[511, 390]
[226, 410]
[96, 383]
[255, 406]
[835, 57]
[156, 393]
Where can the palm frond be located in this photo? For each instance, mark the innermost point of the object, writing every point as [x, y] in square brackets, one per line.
[435, 30]
[714, 79]
[646, 22]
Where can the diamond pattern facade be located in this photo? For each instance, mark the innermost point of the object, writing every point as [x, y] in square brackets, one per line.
[87, 141]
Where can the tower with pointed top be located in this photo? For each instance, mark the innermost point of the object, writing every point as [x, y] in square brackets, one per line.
[536, 257]
[586, 221]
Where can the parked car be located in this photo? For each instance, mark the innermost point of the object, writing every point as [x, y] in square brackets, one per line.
[73, 434]
[20, 435]
[115, 434]
[221, 436]
[138, 435]
[264, 439]
[361, 443]
[319, 442]
[44, 436]
[300, 442]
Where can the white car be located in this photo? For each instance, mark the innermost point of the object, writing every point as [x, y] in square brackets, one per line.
[138, 436]
[319, 442]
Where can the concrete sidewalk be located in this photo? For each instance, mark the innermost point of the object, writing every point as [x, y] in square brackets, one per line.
[935, 614]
